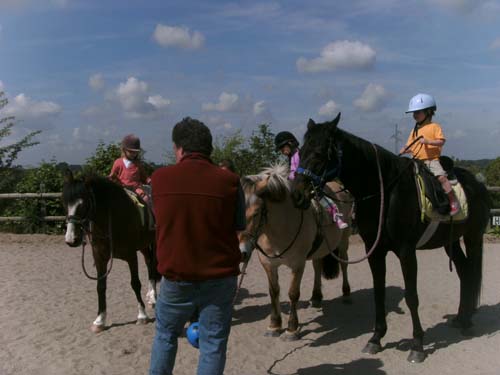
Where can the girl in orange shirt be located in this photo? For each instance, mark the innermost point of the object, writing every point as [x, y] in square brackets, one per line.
[428, 149]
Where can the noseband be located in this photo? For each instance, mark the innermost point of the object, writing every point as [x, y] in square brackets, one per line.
[331, 170]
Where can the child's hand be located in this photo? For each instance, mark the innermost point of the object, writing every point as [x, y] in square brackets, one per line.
[424, 141]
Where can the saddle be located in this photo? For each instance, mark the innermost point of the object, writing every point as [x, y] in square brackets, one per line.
[144, 210]
[434, 202]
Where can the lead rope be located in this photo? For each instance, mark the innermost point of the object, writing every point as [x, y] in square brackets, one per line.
[243, 273]
[380, 220]
[110, 235]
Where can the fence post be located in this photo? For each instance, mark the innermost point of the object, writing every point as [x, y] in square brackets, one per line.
[43, 207]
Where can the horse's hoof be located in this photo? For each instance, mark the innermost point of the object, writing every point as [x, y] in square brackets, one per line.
[315, 303]
[141, 321]
[290, 336]
[416, 356]
[97, 328]
[468, 332]
[460, 324]
[372, 348]
[272, 333]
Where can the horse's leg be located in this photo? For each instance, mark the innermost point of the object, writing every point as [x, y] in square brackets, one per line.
[99, 323]
[408, 260]
[292, 332]
[274, 328]
[135, 282]
[153, 276]
[465, 272]
[377, 266]
[343, 247]
[317, 296]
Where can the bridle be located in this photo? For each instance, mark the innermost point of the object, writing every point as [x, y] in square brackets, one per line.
[255, 235]
[331, 171]
[85, 224]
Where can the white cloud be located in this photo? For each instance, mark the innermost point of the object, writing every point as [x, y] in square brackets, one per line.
[133, 95]
[23, 106]
[372, 99]
[172, 36]
[457, 134]
[96, 82]
[495, 44]
[329, 109]
[1, 86]
[259, 107]
[339, 54]
[227, 102]
[158, 101]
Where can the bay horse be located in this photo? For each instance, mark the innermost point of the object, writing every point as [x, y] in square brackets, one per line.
[285, 235]
[389, 218]
[103, 212]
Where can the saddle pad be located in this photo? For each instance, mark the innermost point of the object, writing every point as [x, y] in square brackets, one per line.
[460, 216]
[138, 204]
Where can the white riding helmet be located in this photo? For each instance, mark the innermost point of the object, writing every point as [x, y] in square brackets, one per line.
[421, 101]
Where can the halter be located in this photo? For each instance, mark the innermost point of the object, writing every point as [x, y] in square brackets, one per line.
[254, 237]
[330, 172]
[85, 224]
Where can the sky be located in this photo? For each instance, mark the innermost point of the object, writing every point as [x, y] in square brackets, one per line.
[85, 71]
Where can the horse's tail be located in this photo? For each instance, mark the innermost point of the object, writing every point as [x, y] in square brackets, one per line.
[331, 267]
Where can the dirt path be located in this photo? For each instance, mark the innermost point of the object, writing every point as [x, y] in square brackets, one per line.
[47, 306]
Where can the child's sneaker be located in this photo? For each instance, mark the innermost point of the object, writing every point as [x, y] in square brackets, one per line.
[341, 223]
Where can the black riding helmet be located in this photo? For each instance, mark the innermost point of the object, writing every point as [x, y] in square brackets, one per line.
[284, 138]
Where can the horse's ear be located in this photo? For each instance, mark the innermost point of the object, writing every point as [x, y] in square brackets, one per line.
[335, 121]
[310, 123]
[68, 176]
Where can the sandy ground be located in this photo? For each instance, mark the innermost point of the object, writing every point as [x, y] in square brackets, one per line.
[47, 306]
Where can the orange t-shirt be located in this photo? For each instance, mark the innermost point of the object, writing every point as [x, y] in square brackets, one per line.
[431, 132]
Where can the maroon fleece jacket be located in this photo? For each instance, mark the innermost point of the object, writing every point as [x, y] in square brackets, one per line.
[194, 204]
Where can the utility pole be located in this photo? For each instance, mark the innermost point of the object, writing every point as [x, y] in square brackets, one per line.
[397, 139]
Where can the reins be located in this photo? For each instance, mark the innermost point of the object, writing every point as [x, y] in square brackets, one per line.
[380, 219]
[88, 234]
[256, 236]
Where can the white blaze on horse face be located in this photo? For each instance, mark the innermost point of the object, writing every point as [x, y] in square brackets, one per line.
[70, 235]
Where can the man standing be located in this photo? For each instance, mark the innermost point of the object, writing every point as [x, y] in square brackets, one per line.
[199, 208]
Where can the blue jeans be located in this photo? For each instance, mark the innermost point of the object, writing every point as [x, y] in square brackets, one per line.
[176, 303]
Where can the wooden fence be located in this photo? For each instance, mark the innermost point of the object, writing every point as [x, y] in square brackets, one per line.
[42, 196]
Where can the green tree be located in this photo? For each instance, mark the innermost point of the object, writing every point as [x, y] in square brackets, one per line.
[492, 174]
[249, 155]
[102, 160]
[9, 152]
[46, 178]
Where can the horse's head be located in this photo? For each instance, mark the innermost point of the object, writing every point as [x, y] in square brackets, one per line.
[270, 185]
[78, 202]
[320, 162]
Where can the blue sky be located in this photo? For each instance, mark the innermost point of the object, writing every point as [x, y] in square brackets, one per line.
[86, 70]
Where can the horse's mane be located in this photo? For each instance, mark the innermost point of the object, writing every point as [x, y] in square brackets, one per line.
[101, 186]
[277, 185]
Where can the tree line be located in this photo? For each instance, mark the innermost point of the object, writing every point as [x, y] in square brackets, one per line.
[249, 155]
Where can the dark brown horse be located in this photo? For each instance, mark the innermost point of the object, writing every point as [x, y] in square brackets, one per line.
[102, 212]
[389, 218]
